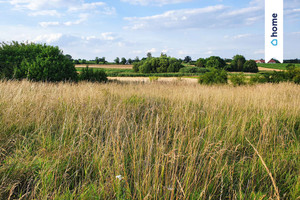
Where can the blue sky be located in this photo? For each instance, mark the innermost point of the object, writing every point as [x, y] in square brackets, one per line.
[130, 28]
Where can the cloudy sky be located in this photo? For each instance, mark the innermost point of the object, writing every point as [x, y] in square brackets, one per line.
[130, 28]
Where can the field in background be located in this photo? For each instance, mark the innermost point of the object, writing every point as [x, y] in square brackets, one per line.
[279, 66]
[149, 141]
[127, 71]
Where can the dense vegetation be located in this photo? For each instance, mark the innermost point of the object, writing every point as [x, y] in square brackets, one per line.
[158, 65]
[88, 74]
[40, 62]
[215, 76]
[137, 141]
[35, 62]
[292, 74]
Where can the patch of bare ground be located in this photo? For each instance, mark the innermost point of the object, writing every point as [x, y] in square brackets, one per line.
[268, 69]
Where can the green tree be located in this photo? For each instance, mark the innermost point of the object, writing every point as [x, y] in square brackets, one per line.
[149, 55]
[137, 59]
[237, 63]
[35, 62]
[201, 62]
[117, 60]
[215, 62]
[187, 59]
[250, 66]
[97, 60]
[123, 61]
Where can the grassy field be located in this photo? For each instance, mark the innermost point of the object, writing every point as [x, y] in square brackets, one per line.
[149, 141]
[281, 66]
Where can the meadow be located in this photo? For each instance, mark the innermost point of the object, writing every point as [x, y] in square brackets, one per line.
[149, 141]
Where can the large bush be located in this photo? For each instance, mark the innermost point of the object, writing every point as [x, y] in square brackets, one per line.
[250, 66]
[238, 79]
[215, 76]
[158, 65]
[88, 74]
[37, 62]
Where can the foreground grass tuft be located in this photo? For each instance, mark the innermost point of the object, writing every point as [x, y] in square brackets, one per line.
[155, 141]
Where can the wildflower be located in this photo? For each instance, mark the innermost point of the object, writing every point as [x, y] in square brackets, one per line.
[119, 177]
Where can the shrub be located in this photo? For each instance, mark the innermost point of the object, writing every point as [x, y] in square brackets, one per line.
[89, 74]
[35, 62]
[215, 76]
[257, 79]
[193, 70]
[238, 79]
[250, 66]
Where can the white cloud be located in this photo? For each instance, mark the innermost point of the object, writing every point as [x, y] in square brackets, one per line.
[209, 52]
[51, 7]
[45, 13]
[82, 18]
[43, 4]
[48, 38]
[243, 11]
[241, 36]
[94, 6]
[47, 24]
[177, 18]
[153, 50]
[108, 36]
[155, 2]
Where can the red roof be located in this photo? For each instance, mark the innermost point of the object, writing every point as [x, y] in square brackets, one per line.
[272, 61]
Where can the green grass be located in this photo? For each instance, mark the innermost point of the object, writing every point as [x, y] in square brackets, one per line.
[149, 141]
[281, 66]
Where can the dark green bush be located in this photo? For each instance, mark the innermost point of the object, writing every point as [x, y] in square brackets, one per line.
[35, 62]
[88, 74]
[215, 76]
[250, 66]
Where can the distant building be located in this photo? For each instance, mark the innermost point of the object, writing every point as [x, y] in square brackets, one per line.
[260, 61]
[272, 61]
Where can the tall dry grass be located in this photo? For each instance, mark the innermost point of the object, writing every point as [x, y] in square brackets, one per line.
[149, 141]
